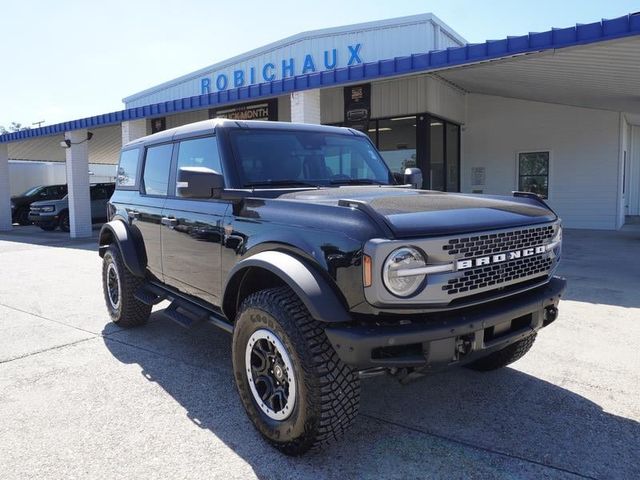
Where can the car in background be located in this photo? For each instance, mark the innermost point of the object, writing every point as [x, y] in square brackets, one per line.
[20, 203]
[50, 214]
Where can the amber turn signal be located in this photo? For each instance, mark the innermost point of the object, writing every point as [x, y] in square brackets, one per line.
[366, 270]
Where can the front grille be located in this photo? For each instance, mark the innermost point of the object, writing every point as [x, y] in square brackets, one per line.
[497, 274]
[499, 242]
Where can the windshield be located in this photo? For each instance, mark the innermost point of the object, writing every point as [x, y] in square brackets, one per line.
[31, 191]
[295, 158]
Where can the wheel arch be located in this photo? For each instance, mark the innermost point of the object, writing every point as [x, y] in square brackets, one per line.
[128, 242]
[274, 268]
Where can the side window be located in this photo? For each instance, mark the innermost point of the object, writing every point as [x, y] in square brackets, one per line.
[533, 173]
[156, 169]
[200, 152]
[127, 168]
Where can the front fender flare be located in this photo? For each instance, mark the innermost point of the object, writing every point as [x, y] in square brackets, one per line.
[322, 301]
[118, 232]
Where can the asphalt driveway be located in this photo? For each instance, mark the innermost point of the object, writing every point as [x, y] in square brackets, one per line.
[82, 398]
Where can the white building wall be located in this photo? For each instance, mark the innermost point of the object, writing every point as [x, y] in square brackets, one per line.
[417, 94]
[633, 173]
[584, 146]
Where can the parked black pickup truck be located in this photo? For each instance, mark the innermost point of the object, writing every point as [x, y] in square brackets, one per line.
[298, 241]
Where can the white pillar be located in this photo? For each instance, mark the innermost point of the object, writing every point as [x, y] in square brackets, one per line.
[5, 192]
[133, 129]
[78, 184]
[305, 106]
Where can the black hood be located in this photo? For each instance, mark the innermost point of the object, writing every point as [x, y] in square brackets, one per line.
[414, 213]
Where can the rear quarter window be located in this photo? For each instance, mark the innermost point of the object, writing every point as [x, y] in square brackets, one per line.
[128, 168]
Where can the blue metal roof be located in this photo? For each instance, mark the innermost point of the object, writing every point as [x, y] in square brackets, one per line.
[555, 38]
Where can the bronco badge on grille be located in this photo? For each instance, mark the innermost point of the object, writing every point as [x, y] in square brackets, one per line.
[500, 257]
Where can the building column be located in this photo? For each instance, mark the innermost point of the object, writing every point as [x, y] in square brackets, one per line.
[305, 106]
[5, 192]
[78, 184]
[133, 129]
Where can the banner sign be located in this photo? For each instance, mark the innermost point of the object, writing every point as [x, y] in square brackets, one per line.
[357, 106]
[267, 110]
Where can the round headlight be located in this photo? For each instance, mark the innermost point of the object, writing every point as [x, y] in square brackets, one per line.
[396, 275]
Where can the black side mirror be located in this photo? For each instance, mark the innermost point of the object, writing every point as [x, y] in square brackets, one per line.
[413, 177]
[199, 182]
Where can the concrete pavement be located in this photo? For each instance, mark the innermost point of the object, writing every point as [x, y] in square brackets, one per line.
[82, 398]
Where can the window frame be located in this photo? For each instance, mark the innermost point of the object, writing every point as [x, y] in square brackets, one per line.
[549, 172]
[141, 187]
[137, 182]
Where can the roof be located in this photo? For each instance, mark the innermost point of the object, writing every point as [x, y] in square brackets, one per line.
[554, 39]
[205, 127]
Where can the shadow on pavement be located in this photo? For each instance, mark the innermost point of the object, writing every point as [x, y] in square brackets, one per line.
[507, 411]
[33, 235]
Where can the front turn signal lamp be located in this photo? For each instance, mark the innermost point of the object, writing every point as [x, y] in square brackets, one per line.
[366, 270]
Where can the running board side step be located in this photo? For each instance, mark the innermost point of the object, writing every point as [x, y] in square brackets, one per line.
[150, 294]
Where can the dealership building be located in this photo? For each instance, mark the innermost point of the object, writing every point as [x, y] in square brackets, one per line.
[556, 112]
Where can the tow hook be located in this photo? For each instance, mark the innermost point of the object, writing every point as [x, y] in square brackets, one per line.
[463, 345]
[550, 314]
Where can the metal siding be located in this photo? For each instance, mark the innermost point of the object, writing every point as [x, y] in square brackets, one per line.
[332, 105]
[284, 108]
[417, 95]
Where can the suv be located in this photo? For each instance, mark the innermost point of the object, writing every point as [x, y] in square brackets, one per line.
[20, 203]
[51, 214]
[297, 240]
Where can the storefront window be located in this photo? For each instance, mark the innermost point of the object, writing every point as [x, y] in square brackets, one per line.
[397, 142]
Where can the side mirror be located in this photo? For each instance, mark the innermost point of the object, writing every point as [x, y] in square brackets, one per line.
[199, 182]
[413, 176]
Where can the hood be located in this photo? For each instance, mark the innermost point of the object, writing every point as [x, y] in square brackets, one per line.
[414, 213]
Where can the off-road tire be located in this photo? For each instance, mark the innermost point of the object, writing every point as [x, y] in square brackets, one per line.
[22, 217]
[64, 221]
[130, 311]
[327, 390]
[504, 357]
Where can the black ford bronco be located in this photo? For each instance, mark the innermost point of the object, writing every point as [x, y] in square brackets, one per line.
[325, 267]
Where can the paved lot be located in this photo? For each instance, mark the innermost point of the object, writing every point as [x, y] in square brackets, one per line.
[81, 398]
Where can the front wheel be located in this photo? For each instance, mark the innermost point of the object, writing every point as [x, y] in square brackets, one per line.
[119, 286]
[296, 391]
[22, 217]
[504, 357]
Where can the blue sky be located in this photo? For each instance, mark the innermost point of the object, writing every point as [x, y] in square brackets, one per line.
[75, 58]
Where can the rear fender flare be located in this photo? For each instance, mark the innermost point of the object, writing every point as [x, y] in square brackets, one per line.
[121, 234]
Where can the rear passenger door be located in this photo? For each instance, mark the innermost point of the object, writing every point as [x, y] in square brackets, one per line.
[145, 211]
[193, 230]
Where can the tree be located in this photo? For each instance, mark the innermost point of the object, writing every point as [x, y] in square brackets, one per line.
[15, 127]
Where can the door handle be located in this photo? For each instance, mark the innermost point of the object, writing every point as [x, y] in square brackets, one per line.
[134, 214]
[169, 221]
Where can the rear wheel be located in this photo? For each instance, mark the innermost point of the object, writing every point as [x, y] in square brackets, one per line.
[64, 221]
[296, 391]
[504, 357]
[119, 286]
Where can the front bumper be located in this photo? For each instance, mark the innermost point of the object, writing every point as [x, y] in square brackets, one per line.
[43, 220]
[455, 338]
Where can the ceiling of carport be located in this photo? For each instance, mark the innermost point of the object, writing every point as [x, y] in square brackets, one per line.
[604, 75]
[104, 147]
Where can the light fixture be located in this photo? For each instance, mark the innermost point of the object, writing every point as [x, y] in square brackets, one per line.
[412, 117]
[384, 129]
[66, 143]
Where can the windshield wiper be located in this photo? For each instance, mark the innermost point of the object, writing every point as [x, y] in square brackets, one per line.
[356, 181]
[280, 183]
